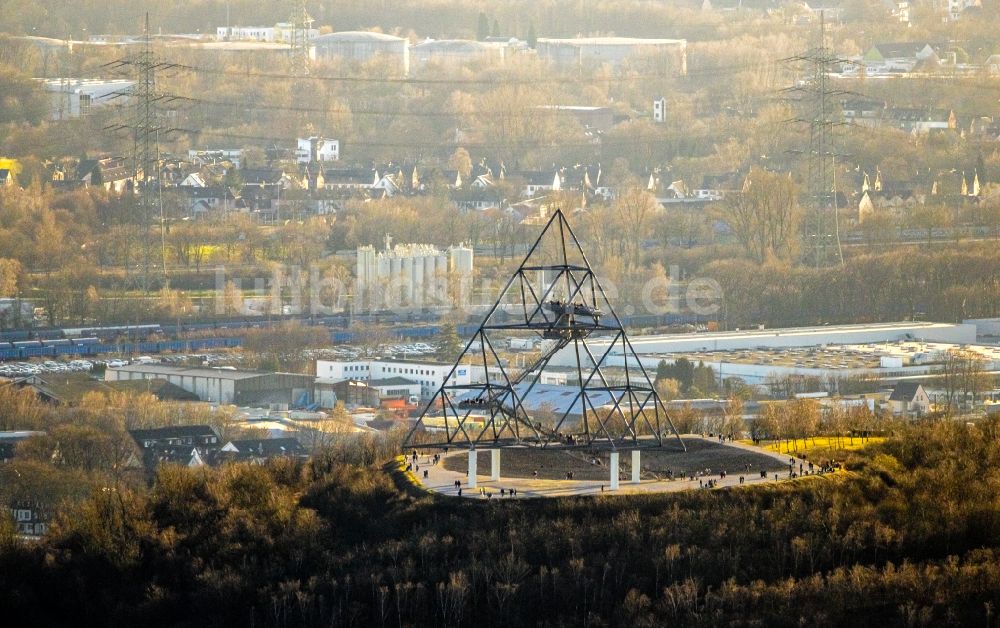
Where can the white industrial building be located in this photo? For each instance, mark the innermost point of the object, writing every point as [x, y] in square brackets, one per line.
[611, 50]
[316, 149]
[889, 361]
[379, 373]
[985, 326]
[799, 337]
[362, 46]
[411, 274]
[282, 32]
[886, 351]
[72, 98]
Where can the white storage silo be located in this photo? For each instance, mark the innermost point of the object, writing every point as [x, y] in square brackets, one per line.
[406, 278]
[441, 278]
[430, 278]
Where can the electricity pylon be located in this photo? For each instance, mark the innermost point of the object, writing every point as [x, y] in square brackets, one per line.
[815, 100]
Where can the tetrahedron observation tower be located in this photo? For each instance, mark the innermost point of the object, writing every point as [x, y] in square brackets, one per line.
[554, 303]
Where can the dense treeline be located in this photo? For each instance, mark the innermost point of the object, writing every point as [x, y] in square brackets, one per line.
[908, 537]
[58, 248]
[946, 284]
[68, 251]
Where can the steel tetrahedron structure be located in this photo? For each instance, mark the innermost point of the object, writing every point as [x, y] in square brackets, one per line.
[554, 304]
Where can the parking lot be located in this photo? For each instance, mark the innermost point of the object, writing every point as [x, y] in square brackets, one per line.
[401, 351]
[25, 369]
[234, 358]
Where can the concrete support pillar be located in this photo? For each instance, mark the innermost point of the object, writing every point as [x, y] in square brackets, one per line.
[636, 466]
[495, 465]
[614, 470]
[472, 468]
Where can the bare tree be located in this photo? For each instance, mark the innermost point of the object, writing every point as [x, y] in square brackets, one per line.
[963, 375]
[765, 215]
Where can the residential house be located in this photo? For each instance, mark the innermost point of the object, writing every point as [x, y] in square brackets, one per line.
[483, 181]
[921, 120]
[199, 202]
[264, 202]
[173, 171]
[486, 175]
[259, 450]
[899, 57]
[313, 149]
[400, 179]
[349, 179]
[589, 180]
[268, 176]
[112, 173]
[385, 187]
[862, 111]
[204, 436]
[909, 398]
[186, 445]
[881, 195]
[534, 183]
[193, 180]
[476, 197]
[31, 518]
[312, 178]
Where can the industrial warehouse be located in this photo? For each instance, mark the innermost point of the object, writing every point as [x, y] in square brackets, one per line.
[885, 352]
[225, 386]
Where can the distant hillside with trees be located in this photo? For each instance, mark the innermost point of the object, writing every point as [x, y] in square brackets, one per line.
[908, 536]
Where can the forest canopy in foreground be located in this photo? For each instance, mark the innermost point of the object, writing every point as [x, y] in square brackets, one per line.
[908, 536]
